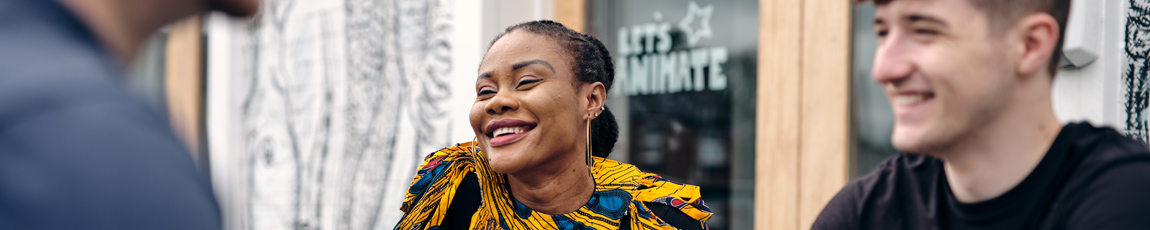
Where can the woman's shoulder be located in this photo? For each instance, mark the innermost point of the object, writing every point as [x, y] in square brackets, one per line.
[443, 168]
[460, 150]
[686, 198]
[660, 195]
[455, 156]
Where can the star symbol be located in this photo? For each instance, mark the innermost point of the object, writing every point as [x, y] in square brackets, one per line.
[704, 13]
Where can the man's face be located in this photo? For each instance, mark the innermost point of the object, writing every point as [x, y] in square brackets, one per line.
[944, 71]
[238, 8]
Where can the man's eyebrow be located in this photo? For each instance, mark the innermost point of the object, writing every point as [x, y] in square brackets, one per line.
[925, 18]
[532, 62]
[483, 75]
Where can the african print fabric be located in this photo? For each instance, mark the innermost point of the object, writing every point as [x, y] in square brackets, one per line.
[621, 190]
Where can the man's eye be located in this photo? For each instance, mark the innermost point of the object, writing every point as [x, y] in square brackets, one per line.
[527, 81]
[925, 32]
[881, 33]
[485, 92]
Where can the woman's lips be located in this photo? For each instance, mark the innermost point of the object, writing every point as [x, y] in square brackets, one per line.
[507, 131]
[507, 139]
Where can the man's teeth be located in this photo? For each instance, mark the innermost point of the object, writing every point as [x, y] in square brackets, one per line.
[508, 130]
[905, 100]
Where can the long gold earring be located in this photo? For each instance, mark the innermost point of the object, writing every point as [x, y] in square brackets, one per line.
[589, 161]
[474, 144]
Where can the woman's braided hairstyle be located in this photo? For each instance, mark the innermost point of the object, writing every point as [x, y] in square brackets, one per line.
[592, 64]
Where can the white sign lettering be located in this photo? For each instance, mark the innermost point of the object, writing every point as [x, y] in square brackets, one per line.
[649, 66]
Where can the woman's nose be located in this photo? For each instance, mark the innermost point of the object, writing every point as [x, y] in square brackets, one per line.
[502, 103]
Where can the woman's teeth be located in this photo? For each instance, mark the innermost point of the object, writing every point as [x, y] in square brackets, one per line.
[508, 130]
[905, 100]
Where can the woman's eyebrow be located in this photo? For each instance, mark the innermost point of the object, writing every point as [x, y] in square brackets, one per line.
[520, 65]
[532, 62]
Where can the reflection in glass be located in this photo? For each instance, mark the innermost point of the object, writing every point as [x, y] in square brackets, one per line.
[873, 119]
[684, 94]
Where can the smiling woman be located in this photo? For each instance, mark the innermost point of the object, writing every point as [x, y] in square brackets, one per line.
[543, 133]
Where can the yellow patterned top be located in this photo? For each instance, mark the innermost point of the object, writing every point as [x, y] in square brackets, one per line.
[621, 190]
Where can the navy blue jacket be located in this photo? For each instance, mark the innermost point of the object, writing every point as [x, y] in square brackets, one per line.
[77, 150]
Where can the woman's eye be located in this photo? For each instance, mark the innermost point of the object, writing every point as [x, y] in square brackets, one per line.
[485, 92]
[881, 33]
[527, 81]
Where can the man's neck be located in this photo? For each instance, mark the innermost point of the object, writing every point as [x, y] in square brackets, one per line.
[123, 25]
[999, 155]
[553, 191]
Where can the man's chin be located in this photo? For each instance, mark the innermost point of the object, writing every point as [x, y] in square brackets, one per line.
[908, 141]
[906, 147]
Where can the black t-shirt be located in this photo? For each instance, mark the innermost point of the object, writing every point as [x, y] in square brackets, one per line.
[1091, 178]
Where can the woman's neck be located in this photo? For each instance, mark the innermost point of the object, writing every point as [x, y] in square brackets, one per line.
[554, 190]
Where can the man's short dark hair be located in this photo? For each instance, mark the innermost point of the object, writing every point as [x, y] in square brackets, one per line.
[1003, 14]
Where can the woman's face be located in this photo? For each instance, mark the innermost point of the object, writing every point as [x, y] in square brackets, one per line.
[529, 110]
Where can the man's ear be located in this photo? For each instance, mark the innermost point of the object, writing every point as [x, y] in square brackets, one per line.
[1038, 39]
[596, 98]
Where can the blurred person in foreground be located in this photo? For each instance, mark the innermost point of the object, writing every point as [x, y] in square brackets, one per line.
[539, 162]
[77, 150]
[970, 85]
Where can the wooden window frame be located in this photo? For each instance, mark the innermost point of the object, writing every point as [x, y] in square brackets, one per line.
[803, 138]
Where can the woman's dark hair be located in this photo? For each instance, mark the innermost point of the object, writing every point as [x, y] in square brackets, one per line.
[592, 63]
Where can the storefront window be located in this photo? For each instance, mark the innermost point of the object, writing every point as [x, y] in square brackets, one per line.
[873, 120]
[684, 94]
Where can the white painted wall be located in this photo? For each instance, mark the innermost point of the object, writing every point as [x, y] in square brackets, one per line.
[465, 56]
[499, 14]
[472, 25]
[1094, 92]
[477, 23]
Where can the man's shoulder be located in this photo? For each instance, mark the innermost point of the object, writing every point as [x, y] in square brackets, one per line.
[28, 88]
[1100, 152]
[899, 169]
[51, 61]
[889, 191]
[1106, 181]
[1099, 148]
[77, 130]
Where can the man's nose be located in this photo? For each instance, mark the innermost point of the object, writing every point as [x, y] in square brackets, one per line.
[891, 62]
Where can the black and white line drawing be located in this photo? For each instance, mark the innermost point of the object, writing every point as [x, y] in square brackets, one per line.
[1137, 69]
[332, 107]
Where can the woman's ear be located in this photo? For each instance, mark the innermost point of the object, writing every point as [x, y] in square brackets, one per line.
[596, 98]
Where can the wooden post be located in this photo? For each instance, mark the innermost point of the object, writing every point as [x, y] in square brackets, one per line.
[803, 115]
[826, 105]
[184, 82]
[778, 116]
[572, 13]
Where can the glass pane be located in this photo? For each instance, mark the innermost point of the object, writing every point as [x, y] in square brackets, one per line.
[873, 120]
[684, 94]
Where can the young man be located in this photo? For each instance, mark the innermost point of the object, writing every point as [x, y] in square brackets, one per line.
[970, 84]
[77, 151]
